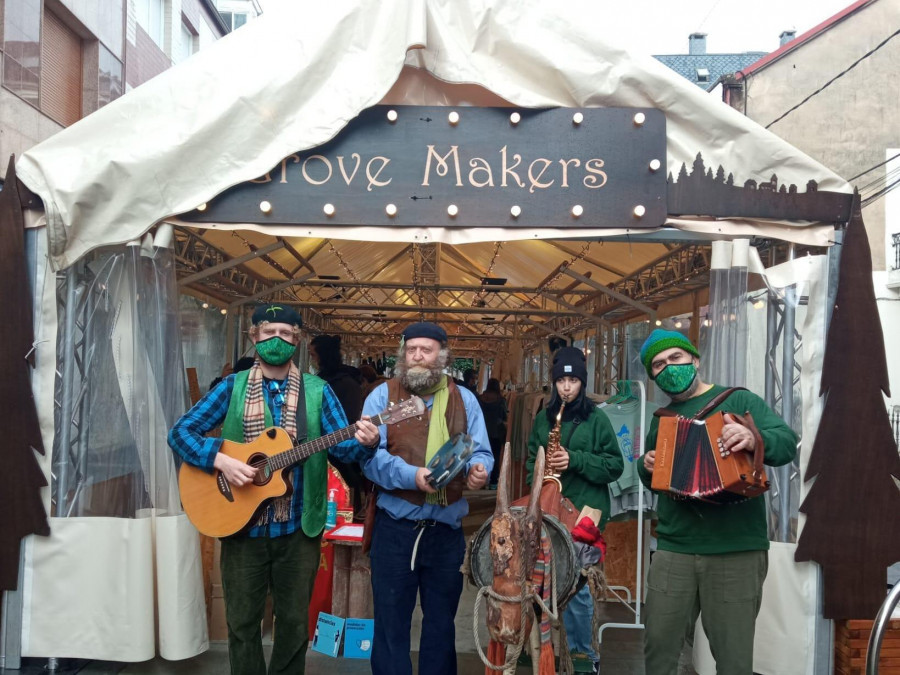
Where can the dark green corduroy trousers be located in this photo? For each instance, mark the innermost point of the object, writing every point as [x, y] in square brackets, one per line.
[726, 589]
[251, 566]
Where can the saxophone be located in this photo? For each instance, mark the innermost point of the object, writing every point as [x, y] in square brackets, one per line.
[553, 445]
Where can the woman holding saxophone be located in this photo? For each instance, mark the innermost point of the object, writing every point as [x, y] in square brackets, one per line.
[583, 454]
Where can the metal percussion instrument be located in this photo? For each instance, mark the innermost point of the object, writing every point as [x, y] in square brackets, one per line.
[450, 460]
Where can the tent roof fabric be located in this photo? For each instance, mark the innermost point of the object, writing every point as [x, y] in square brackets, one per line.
[292, 79]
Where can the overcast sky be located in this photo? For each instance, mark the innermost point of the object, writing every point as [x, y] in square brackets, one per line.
[663, 26]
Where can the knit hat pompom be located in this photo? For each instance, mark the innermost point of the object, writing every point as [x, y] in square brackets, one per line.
[659, 341]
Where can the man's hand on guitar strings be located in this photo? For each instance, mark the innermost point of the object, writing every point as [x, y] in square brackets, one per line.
[234, 470]
[366, 432]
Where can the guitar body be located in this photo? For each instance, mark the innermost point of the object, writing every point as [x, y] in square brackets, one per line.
[219, 509]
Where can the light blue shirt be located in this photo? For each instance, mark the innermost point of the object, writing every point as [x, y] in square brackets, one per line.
[393, 473]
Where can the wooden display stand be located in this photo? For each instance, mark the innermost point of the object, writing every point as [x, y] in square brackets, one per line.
[851, 641]
[351, 596]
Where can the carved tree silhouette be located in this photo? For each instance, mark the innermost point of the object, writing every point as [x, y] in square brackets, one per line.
[853, 507]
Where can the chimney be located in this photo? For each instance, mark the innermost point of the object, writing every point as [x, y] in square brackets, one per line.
[786, 37]
[697, 43]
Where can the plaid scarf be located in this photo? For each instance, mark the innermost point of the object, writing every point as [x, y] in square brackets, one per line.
[255, 423]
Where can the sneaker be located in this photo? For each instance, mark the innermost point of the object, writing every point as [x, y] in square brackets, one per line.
[596, 670]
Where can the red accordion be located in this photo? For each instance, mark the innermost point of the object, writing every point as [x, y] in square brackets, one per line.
[692, 462]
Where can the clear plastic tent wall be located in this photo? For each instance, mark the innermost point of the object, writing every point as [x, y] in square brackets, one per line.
[117, 525]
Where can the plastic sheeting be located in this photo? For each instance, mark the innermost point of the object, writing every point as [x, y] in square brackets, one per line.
[223, 117]
[724, 349]
[119, 580]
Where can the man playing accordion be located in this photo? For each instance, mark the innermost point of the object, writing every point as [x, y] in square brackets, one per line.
[711, 557]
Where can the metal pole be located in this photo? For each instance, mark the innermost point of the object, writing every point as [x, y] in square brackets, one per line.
[67, 393]
[881, 621]
[787, 403]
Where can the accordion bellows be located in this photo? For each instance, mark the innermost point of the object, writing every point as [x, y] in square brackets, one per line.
[692, 463]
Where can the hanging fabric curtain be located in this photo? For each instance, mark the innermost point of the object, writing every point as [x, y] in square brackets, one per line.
[121, 387]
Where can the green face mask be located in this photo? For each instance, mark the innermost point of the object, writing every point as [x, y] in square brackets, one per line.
[675, 379]
[275, 351]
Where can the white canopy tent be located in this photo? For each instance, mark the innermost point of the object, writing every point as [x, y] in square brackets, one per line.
[282, 84]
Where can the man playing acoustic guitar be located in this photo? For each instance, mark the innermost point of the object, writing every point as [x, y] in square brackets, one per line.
[280, 550]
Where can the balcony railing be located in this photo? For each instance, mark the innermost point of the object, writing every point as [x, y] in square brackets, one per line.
[896, 239]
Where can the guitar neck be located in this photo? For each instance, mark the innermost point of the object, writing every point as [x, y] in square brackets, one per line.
[288, 458]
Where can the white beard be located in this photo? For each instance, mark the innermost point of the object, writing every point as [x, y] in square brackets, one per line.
[419, 378]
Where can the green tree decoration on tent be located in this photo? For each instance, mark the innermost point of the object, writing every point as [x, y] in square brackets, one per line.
[853, 506]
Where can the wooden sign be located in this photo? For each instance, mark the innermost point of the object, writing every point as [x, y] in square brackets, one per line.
[421, 166]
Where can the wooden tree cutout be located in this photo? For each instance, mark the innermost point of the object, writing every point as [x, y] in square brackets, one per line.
[853, 507]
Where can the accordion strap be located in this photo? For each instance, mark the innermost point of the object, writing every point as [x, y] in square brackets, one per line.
[708, 408]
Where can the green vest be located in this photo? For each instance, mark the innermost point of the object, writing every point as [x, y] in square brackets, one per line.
[315, 469]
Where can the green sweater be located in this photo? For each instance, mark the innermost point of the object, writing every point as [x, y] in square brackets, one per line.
[594, 459]
[695, 527]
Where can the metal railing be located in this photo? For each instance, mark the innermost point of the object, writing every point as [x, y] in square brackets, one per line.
[896, 239]
[881, 623]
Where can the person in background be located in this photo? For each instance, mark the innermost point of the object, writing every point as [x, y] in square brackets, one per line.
[711, 558]
[280, 550]
[370, 378]
[493, 407]
[587, 460]
[417, 538]
[346, 382]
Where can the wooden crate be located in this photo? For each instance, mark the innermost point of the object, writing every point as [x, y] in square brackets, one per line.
[851, 642]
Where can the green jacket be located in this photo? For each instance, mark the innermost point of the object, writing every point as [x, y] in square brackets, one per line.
[594, 459]
[695, 527]
[315, 467]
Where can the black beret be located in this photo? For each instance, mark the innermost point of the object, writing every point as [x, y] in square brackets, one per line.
[569, 361]
[425, 329]
[276, 313]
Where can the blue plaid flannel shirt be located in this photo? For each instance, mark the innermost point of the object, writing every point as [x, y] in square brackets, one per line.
[188, 439]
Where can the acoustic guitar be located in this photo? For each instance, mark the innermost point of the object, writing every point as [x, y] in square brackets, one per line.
[219, 509]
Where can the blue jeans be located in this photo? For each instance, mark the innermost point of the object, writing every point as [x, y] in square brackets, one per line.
[577, 618]
[436, 579]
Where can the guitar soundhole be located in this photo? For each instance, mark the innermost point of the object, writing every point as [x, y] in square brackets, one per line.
[263, 474]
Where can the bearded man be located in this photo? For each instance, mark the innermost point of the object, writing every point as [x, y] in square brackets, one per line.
[417, 539]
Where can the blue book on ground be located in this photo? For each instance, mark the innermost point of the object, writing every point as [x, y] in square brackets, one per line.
[358, 635]
[327, 638]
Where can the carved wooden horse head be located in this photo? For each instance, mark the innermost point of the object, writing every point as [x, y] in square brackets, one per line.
[515, 541]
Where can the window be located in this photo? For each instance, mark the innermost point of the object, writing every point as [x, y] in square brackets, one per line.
[60, 88]
[151, 16]
[185, 47]
[22, 49]
[702, 75]
[110, 77]
[234, 20]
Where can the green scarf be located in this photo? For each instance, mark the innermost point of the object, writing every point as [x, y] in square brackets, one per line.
[438, 433]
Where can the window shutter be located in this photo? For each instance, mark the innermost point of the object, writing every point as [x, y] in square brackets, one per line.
[61, 71]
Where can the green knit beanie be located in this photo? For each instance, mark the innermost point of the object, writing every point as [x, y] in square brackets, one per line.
[659, 341]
